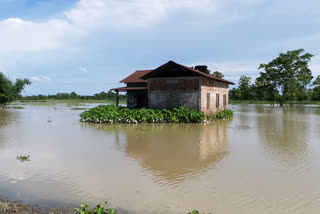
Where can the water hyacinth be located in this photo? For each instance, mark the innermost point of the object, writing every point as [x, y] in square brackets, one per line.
[115, 114]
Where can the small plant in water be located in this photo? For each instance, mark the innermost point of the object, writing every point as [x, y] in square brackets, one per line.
[77, 108]
[97, 210]
[195, 212]
[23, 158]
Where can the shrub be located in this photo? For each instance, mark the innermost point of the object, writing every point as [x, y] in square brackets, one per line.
[225, 114]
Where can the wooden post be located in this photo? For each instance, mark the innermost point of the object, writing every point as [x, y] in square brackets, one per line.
[117, 100]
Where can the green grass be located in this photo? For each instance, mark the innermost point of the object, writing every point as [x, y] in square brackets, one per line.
[243, 102]
[69, 103]
[18, 107]
[77, 108]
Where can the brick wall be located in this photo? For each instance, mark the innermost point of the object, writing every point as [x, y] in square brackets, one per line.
[209, 90]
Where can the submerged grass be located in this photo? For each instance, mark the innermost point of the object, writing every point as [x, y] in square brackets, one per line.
[244, 102]
[77, 108]
[18, 107]
[114, 114]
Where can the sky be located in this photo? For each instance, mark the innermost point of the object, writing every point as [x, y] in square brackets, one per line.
[88, 46]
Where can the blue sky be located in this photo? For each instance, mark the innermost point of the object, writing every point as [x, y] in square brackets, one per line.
[88, 46]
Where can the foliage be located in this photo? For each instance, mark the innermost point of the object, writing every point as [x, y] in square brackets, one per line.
[288, 73]
[317, 81]
[113, 114]
[23, 158]
[10, 91]
[18, 107]
[195, 212]
[218, 74]
[74, 96]
[225, 114]
[97, 210]
[286, 79]
[77, 108]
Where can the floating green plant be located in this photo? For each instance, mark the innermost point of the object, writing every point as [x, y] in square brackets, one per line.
[115, 114]
[97, 210]
[23, 158]
[195, 212]
[18, 107]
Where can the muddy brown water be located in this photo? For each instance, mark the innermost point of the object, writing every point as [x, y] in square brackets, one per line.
[265, 160]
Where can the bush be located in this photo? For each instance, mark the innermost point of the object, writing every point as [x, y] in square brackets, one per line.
[114, 114]
[225, 114]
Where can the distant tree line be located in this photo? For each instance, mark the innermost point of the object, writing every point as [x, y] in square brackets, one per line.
[284, 79]
[74, 96]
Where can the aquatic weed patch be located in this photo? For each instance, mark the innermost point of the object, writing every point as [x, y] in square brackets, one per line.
[225, 114]
[115, 114]
[23, 158]
[97, 210]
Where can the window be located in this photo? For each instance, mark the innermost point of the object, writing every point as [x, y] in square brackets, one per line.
[224, 100]
[218, 100]
[208, 100]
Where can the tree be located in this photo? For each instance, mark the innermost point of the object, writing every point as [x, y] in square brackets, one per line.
[315, 92]
[316, 82]
[9, 91]
[74, 95]
[235, 94]
[288, 73]
[245, 87]
[218, 74]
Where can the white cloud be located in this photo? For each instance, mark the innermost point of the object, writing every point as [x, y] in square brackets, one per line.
[88, 16]
[83, 69]
[41, 78]
[19, 35]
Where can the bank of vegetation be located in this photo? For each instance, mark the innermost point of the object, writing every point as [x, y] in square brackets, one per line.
[20, 208]
[115, 114]
[73, 96]
[287, 79]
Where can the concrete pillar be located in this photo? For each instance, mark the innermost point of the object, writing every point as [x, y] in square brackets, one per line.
[117, 100]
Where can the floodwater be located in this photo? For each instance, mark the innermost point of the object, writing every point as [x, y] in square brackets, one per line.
[265, 160]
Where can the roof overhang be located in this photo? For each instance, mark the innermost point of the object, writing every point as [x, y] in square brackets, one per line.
[187, 70]
[130, 89]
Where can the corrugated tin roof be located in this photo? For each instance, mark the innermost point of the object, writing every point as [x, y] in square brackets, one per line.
[136, 77]
[129, 88]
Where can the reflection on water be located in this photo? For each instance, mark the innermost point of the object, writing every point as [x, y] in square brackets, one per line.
[285, 138]
[265, 160]
[174, 152]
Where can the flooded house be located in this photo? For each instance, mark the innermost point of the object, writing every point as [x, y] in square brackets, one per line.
[173, 85]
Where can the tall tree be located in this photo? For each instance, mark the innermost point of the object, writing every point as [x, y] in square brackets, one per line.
[9, 91]
[218, 74]
[245, 87]
[316, 82]
[288, 73]
[315, 92]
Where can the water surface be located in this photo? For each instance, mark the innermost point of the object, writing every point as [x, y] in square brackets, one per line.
[265, 160]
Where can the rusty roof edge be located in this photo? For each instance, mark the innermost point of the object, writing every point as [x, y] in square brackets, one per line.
[128, 77]
[191, 69]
